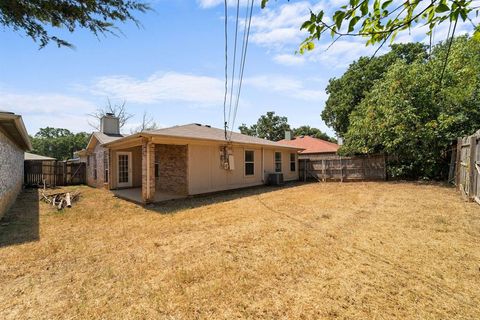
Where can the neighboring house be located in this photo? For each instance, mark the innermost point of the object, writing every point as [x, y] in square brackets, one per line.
[36, 157]
[313, 148]
[14, 141]
[96, 155]
[38, 170]
[184, 160]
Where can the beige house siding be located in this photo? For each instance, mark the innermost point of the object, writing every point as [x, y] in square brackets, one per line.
[11, 172]
[207, 175]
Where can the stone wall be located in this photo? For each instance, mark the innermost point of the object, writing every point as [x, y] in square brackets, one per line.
[172, 161]
[11, 172]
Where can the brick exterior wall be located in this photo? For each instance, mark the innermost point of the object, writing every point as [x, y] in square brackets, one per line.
[11, 172]
[172, 160]
[98, 157]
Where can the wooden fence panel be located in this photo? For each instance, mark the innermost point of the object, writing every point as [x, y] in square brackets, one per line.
[54, 173]
[468, 167]
[344, 168]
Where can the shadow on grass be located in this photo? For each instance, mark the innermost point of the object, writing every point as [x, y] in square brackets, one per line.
[192, 202]
[21, 223]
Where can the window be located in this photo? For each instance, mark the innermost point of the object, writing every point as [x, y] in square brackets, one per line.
[88, 160]
[106, 166]
[249, 163]
[293, 163]
[94, 159]
[278, 162]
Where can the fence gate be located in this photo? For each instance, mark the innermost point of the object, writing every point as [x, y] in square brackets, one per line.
[54, 173]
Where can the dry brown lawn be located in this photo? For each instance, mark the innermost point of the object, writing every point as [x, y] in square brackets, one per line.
[313, 251]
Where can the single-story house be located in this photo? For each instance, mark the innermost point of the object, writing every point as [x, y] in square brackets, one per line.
[14, 141]
[312, 148]
[36, 157]
[184, 160]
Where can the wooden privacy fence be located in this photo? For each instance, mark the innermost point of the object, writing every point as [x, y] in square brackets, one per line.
[54, 173]
[344, 168]
[467, 169]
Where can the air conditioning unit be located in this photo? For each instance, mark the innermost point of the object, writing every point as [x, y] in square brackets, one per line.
[275, 179]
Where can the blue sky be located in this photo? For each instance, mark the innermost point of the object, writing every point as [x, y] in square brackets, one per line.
[173, 68]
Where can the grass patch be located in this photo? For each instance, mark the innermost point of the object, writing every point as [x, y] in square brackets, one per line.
[312, 251]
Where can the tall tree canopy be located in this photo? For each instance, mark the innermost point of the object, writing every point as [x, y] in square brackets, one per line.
[58, 143]
[269, 126]
[38, 18]
[412, 116]
[312, 132]
[346, 92]
[381, 20]
[273, 127]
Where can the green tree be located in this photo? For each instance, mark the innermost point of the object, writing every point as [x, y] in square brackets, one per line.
[346, 92]
[58, 143]
[413, 117]
[268, 126]
[37, 18]
[379, 21]
[312, 132]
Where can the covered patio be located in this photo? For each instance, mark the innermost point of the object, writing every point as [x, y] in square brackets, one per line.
[135, 195]
[147, 171]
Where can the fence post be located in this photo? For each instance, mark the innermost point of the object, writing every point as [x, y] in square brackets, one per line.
[471, 167]
[458, 163]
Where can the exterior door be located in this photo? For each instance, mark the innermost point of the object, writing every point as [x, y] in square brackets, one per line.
[124, 171]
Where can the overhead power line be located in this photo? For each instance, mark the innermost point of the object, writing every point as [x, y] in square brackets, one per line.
[246, 33]
[226, 72]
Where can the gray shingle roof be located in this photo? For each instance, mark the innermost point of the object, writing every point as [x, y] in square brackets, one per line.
[106, 138]
[31, 156]
[197, 131]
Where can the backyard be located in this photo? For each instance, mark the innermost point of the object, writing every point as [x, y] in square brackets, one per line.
[352, 250]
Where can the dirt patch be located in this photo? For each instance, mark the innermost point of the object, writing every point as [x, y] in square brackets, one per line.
[352, 250]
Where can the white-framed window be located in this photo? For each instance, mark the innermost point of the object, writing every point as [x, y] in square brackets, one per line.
[106, 168]
[293, 162]
[249, 162]
[278, 162]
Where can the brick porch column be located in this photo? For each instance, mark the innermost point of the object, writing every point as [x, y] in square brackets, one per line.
[148, 171]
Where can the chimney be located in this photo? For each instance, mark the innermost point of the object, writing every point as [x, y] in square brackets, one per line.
[340, 141]
[288, 135]
[109, 124]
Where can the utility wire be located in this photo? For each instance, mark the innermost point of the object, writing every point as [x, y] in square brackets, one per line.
[234, 62]
[246, 33]
[226, 72]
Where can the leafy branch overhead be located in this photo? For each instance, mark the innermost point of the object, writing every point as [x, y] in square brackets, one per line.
[380, 21]
[37, 17]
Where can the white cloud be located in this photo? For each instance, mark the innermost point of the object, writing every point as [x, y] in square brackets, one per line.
[49, 103]
[289, 59]
[170, 86]
[48, 109]
[276, 27]
[290, 87]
